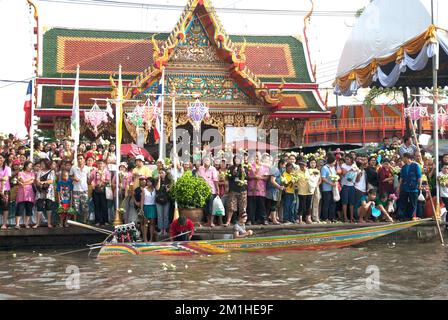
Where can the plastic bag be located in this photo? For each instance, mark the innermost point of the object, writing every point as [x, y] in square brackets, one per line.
[336, 194]
[218, 207]
[421, 197]
[109, 193]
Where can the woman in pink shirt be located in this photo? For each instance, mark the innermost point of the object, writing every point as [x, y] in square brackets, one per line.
[25, 194]
[100, 179]
[210, 175]
[5, 174]
[256, 191]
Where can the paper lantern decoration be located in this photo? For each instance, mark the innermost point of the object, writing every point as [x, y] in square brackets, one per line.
[95, 117]
[150, 112]
[442, 119]
[109, 110]
[416, 111]
[197, 111]
[136, 116]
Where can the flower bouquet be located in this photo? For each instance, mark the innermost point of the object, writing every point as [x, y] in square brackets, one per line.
[396, 171]
[334, 178]
[443, 180]
[336, 195]
[223, 175]
[314, 172]
[243, 181]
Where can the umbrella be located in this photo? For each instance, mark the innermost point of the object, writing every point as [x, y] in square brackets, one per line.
[132, 150]
[249, 145]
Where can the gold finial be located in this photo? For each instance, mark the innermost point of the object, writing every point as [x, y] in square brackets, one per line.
[308, 16]
[242, 52]
[156, 49]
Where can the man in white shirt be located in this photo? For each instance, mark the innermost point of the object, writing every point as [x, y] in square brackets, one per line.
[360, 184]
[79, 175]
[349, 173]
[408, 147]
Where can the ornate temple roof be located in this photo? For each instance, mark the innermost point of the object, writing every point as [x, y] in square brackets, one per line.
[272, 72]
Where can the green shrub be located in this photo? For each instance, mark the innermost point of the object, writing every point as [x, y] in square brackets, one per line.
[190, 192]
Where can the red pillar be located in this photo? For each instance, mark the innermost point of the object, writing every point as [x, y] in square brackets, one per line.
[344, 124]
[383, 125]
[325, 130]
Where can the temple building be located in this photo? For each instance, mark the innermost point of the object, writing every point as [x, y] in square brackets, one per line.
[247, 81]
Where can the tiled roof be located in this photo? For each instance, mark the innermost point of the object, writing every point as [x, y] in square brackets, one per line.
[99, 53]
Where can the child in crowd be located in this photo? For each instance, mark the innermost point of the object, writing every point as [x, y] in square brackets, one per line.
[382, 204]
[64, 189]
[365, 205]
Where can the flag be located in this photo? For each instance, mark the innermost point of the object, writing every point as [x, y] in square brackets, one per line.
[27, 106]
[119, 108]
[158, 107]
[75, 111]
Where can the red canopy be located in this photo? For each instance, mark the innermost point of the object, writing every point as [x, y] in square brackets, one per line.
[132, 150]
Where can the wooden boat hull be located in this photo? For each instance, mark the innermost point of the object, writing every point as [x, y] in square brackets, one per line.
[315, 241]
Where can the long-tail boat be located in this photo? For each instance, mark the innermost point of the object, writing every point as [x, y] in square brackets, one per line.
[314, 241]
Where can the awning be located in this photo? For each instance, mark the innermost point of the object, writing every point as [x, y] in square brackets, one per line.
[390, 39]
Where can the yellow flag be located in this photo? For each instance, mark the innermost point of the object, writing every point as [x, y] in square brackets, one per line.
[120, 108]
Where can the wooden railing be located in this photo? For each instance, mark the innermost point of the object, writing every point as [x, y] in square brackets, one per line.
[360, 126]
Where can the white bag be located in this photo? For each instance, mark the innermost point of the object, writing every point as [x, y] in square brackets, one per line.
[218, 207]
[109, 193]
[421, 197]
[336, 195]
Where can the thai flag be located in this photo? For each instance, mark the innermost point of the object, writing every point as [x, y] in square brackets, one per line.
[27, 106]
[158, 111]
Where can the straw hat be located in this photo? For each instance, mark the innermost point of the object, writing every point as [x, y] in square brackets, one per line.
[123, 164]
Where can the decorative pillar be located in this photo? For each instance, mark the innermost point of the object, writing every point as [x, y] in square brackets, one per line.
[383, 125]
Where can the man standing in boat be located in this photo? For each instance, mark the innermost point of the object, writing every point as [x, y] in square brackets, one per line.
[181, 229]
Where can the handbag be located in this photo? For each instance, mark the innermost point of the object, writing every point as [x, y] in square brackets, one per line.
[43, 187]
[161, 198]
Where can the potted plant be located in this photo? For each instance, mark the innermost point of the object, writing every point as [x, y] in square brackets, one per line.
[191, 193]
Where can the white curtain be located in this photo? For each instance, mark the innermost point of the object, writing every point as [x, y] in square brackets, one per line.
[417, 64]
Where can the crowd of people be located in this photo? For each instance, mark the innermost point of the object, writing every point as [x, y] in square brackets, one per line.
[53, 185]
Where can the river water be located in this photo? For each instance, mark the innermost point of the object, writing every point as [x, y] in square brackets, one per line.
[374, 271]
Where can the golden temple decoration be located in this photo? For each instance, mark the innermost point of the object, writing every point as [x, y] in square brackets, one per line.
[286, 128]
[162, 54]
[62, 128]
